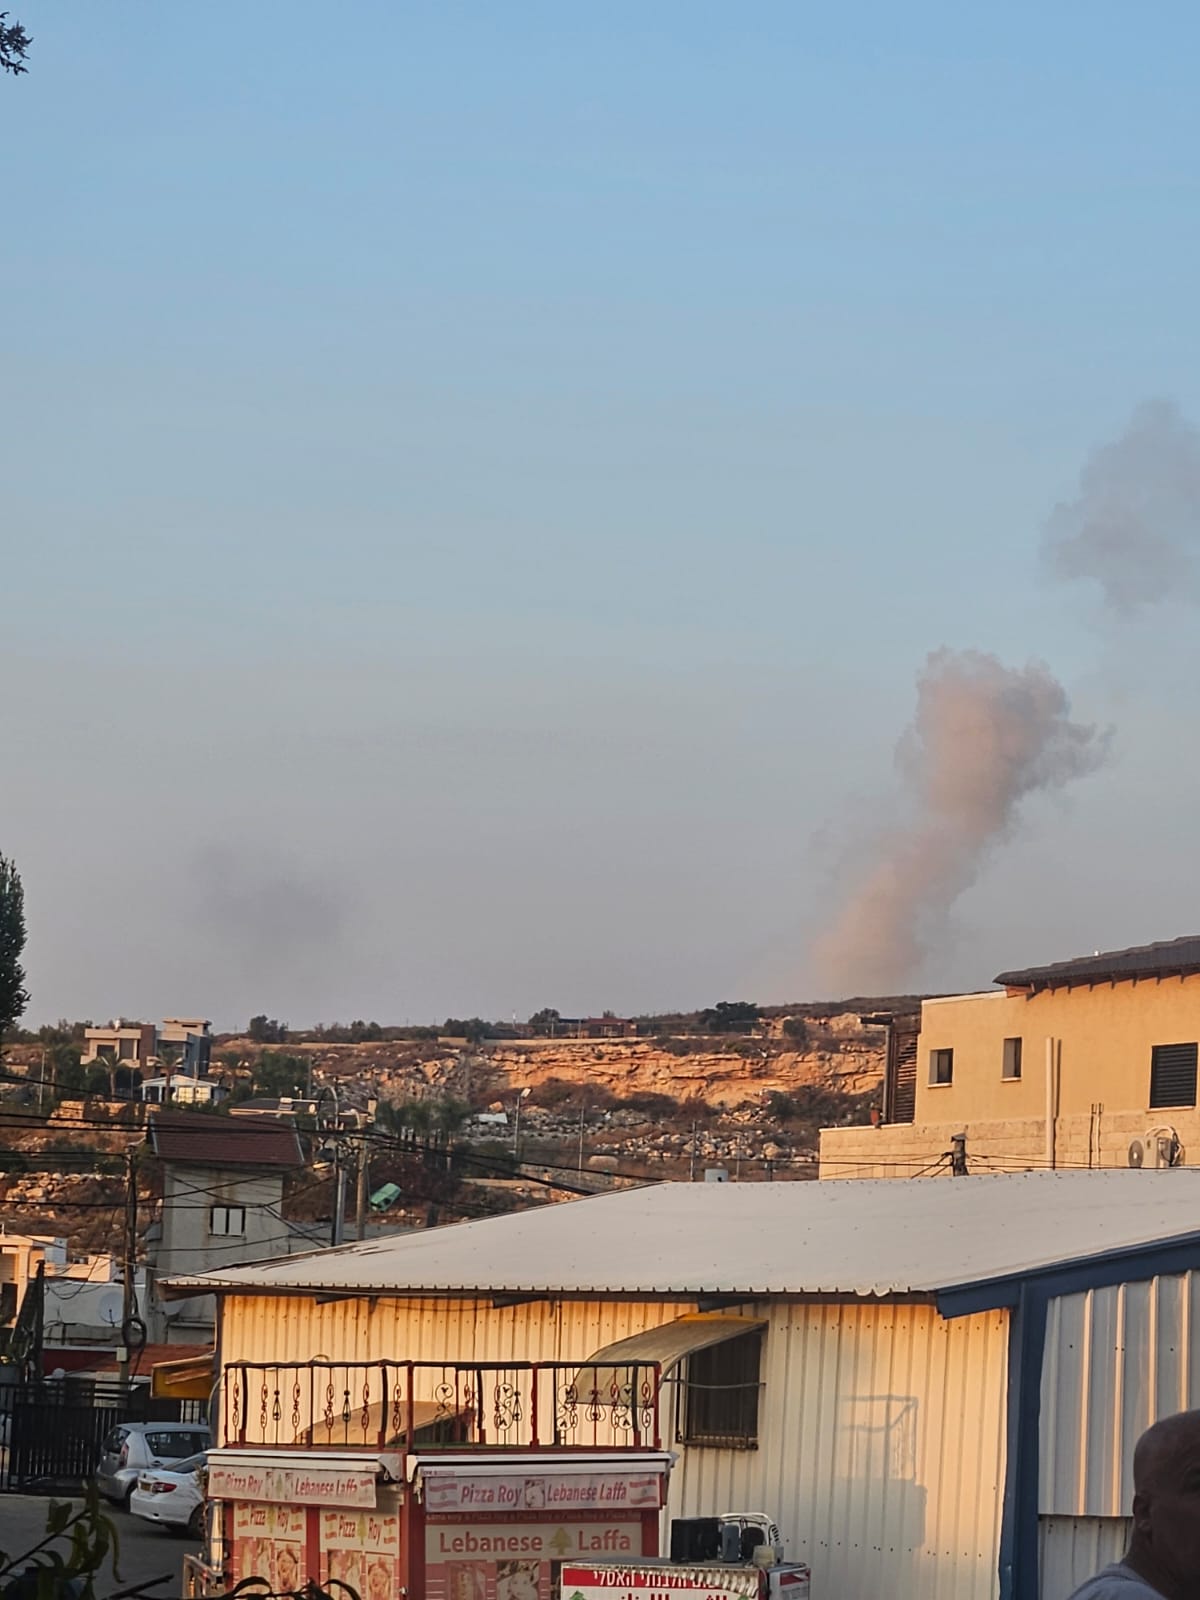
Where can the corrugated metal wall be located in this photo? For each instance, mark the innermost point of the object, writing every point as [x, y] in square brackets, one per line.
[1072, 1549]
[1116, 1360]
[881, 1449]
[261, 1328]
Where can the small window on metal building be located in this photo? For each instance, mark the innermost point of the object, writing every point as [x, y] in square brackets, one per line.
[1012, 1059]
[941, 1066]
[718, 1401]
[1173, 1075]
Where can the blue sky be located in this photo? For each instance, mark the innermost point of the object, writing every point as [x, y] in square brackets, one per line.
[481, 482]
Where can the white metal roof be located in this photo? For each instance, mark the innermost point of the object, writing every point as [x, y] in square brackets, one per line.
[855, 1237]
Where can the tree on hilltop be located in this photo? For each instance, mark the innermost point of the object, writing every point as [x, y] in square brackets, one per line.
[267, 1030]
[14, 996]
[729, 1016]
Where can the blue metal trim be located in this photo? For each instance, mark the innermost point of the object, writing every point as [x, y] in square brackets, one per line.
[1130, 1264]
[1027, 1296]
[1019, 1522]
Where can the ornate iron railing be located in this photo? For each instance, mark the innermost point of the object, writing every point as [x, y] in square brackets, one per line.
[421, 1405]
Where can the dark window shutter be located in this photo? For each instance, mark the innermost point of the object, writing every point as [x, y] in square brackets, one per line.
[721, 1394]
[1173, 1075]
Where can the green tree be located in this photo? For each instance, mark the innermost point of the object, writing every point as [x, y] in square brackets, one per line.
[14, 45]
[448, 1119]
[14, 996]
[730, 1016]
[267, 1030]
[473, 1029]
[280, 1075]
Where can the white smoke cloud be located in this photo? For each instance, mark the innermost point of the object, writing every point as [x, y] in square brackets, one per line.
[1134, 527]
[985, 736]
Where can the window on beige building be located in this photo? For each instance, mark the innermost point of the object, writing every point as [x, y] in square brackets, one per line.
[1173, 1075]
[1012, 1059]
[941, 1066]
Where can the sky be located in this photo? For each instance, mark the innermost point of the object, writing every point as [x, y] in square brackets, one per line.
[482, 483]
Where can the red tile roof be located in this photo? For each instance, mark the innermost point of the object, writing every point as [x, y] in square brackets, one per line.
[219, 1142]
[141, 1361]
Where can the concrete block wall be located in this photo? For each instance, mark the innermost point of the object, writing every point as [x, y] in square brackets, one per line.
[1099, 1139]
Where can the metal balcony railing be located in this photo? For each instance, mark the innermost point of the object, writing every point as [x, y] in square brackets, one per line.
[423, 1405]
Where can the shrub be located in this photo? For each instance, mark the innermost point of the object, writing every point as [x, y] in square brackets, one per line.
[795, 1029]
[658, 1107]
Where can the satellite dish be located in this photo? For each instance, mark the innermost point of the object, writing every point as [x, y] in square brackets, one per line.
[1137, 1152]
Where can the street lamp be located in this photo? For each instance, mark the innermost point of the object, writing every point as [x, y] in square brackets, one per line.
[517, 1126]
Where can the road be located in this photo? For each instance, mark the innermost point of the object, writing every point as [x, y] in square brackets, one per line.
[147, 1553]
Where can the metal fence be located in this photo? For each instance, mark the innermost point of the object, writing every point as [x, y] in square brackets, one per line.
[406, 1405]
[51, 1432]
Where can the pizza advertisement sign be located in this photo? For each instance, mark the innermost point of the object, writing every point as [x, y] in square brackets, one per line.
[268, 1543]
[362, 1550]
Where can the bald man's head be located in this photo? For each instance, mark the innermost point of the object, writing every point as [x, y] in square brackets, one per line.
[1165, 1548]
[1159, 1453]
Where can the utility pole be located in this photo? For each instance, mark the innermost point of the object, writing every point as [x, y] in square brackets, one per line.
[335, 1148]
[360, 1207]
[339, 1194]
[360, 1199]
[129, 1267]
[582, 1105]
[692, 1163]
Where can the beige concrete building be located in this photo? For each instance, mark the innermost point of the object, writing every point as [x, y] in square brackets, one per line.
[1084, 1063]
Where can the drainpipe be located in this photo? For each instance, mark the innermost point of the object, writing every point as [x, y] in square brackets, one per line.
[1050, 1102]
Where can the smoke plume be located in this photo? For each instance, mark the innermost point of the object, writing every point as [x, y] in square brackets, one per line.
[984, 737]
[1135, 526]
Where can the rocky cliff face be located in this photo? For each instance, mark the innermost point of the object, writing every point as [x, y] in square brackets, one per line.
[837, 1053]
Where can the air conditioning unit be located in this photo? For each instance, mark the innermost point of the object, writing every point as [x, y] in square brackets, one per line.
[1163, 1148]
[1157, 1147]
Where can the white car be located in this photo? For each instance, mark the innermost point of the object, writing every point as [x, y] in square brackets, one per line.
[133, 1447]
[172, 1496]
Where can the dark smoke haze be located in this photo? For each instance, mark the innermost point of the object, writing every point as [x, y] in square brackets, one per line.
[1134, 527]
[985, 736]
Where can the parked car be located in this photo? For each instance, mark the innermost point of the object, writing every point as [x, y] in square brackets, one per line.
[134, 1447]
[172, 1496]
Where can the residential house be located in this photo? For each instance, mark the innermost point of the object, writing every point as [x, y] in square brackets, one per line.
[1083, 1063]
[180, 1089]
[288, 1107]
[222, 1198]
[133, 1044]
[82, 1296]
[190, 1040]
[183, 1042]
[934, 1387]
[20, 1256]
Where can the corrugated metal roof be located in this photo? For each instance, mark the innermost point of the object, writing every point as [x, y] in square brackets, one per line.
[890, 1236]
[1170, 957]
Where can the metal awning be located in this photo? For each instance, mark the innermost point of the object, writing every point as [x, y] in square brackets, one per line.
[189, 1379]
[666, 1345]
